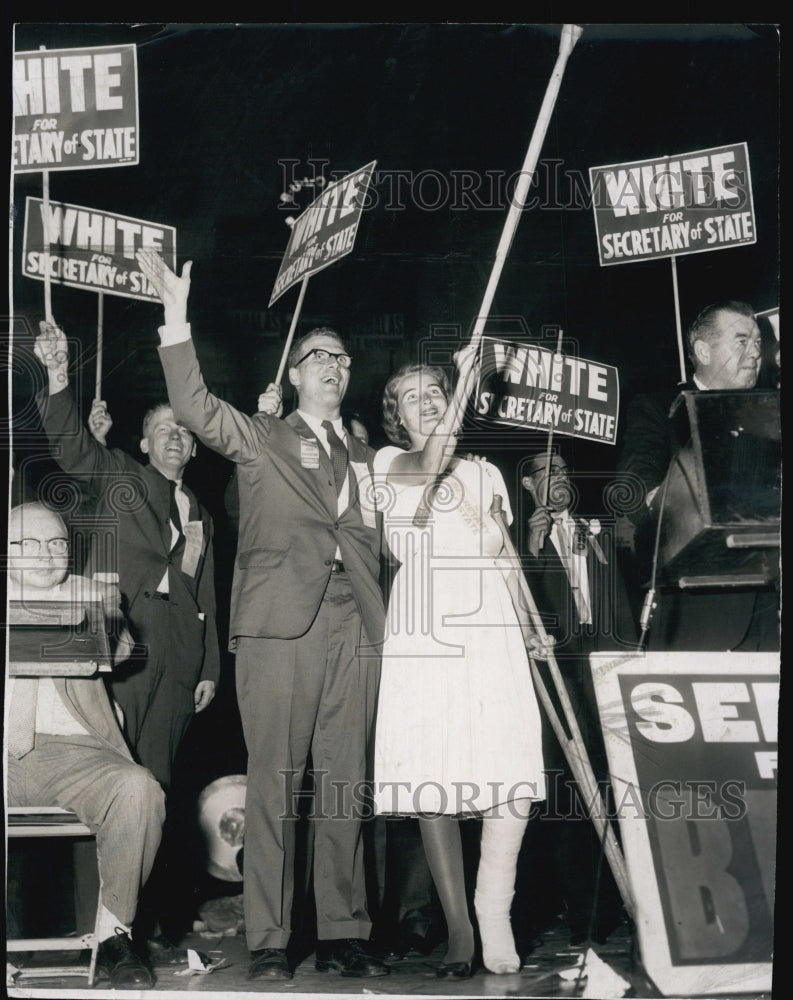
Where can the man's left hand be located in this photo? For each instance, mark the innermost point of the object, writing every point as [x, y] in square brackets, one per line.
[172, 289]
[203, 695]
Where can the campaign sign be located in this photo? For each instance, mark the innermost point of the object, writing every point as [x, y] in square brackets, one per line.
[92, 249]
[692, 749]
[75, 108]
[326, 231]
[524, 385]
[673, 205]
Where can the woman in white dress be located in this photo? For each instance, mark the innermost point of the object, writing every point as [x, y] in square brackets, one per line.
[458, 725]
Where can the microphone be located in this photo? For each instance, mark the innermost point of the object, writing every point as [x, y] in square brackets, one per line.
[647, 613]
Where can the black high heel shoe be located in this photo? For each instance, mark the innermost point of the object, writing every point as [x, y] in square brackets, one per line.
[458, 970]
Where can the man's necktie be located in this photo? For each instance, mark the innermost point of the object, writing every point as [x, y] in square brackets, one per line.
[22, 717]
[338, 455]
[567, 531]
[176, 519]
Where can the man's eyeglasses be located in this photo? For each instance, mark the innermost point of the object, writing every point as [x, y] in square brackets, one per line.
[32, 546]
[556, 469]
[324, 357]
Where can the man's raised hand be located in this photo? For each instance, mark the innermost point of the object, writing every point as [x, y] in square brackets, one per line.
[271, 401]
[52, 350]
[51, 347]
[99, 421]
[539, 526]
[172, 289]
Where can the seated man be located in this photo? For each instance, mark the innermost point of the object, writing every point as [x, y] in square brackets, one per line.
[65, 748]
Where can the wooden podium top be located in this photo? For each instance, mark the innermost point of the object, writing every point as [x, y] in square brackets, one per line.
[57, 639]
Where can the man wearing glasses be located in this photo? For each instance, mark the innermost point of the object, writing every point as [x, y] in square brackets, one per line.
[65, 747]
[579, 592]
[307, 622]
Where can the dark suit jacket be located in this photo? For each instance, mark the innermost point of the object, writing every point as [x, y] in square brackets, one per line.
[651, 439]
[717, 619]
[612, 625]
[136, 500]
[289, 527]
[612, 628]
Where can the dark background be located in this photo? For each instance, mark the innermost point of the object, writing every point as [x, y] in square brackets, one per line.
[229, 115]
[223, 108]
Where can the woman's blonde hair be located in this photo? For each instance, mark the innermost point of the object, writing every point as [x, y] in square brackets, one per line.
[392, 425]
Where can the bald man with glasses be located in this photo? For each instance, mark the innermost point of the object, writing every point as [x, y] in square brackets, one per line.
[65, 746]
[307, 622]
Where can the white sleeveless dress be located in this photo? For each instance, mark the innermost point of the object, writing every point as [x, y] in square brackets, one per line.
[458, 724]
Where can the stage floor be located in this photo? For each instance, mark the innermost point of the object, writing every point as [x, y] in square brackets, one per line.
[413, 976]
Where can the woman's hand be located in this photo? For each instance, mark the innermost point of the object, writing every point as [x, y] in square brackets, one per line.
[540, 647]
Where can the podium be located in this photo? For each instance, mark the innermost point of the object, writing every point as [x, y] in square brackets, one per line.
[57, 639]
[720, 523]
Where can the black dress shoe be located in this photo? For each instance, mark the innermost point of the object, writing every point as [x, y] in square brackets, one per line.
[269, 963]
[162, 951]
[349, 957]
[121, 963]
[420, 944]
[528, 946]
[459, 970]
[409, 943]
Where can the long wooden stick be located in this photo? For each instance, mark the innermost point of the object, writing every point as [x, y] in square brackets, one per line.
[572, 746]
[100, 337]
[45, 209]
[570, 35]
[45, 230]
[680, 352]
[549, 445]
[292, 328]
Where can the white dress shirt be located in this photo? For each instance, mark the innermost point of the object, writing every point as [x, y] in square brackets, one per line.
[183, 505]
[316, 426]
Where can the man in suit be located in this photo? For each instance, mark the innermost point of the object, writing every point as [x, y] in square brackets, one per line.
[307, 620]
[724, 347]
[154, 539]
[161, 555]
[65, 748]
[572, 573]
